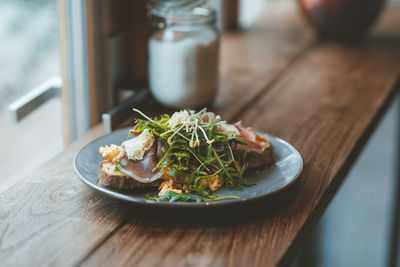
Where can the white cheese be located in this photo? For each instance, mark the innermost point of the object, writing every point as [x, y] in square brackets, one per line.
[136, 147]
[177, 118]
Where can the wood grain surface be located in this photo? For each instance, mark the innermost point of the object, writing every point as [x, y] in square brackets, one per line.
[326, 105]
[323, 98]
[252, 60]
[50, 219]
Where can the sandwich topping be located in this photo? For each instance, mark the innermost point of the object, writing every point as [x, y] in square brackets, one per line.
[136, 147]
[187, 153]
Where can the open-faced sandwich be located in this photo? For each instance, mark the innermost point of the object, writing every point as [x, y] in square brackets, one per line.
[188, 152]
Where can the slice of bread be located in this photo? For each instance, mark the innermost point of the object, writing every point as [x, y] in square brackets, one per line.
[119, 180]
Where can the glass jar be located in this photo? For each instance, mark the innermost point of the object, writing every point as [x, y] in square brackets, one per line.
[183, 53]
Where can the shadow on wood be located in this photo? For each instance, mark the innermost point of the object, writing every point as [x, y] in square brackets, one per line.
[212, 216]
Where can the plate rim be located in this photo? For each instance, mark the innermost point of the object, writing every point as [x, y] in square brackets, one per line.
[152, 203]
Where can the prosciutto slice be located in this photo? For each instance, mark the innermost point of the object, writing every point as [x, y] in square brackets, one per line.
[142, 170]
[259, 148]
[208, 116]
[257, 144]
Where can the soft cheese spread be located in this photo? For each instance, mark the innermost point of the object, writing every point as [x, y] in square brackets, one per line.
[136, 147]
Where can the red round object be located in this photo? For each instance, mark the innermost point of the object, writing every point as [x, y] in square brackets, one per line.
[341, 19]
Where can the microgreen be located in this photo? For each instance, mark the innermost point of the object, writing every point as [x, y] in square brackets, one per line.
[196, 153]
[171, 196]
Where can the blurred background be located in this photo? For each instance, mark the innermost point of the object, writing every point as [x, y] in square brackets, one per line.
[29, 56]
[355, 229]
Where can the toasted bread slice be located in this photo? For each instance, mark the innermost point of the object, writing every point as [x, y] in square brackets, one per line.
[268, 155]
[119, 180]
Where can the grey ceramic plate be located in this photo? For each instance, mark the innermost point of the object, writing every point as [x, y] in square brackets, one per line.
[279, 176]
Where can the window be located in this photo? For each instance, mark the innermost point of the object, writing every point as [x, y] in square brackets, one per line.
[29, 57]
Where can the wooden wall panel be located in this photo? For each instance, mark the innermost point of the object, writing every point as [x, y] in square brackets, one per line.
[117, 50]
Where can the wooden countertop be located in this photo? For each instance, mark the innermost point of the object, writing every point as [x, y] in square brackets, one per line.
[323, 98]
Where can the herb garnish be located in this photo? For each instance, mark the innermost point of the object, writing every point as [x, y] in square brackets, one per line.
[171, 196]
[197, 154]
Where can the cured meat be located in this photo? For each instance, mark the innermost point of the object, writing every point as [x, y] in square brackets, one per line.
[258, 147]
[208, 116]
[142, 170]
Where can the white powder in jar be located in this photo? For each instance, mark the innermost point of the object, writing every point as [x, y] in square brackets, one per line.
[183, 67]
